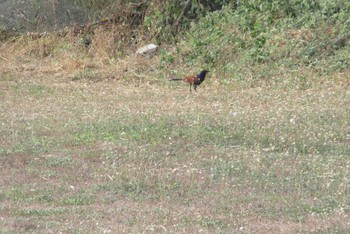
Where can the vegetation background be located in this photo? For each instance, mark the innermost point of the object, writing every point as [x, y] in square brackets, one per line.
[96, 139]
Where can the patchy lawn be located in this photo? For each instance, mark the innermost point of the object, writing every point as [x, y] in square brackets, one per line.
[113, 156]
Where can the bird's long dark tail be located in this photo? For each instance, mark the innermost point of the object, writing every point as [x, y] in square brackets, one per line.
[175, 79]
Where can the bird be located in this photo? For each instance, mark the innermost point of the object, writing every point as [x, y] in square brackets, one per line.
[194, 80]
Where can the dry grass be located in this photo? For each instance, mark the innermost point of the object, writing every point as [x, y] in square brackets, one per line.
[93, 144]
[64, 56]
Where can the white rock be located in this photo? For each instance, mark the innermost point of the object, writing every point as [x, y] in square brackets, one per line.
[147, 50]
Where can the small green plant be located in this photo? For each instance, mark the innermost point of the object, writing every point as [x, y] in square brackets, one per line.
[49, 212]
[59, 161]
[78, 200]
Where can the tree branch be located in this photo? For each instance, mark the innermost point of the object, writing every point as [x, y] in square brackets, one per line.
[186, 8]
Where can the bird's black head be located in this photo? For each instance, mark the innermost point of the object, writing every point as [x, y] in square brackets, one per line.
[202, 74]
[205, 71]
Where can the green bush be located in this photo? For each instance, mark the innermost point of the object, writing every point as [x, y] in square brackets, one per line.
[260, 38]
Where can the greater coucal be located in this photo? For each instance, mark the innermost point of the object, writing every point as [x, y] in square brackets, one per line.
[194, 80]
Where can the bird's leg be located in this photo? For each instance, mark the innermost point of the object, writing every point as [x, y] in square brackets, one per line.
[191, 88]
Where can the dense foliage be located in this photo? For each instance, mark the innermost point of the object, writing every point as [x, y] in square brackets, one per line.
[257, 38]
[268, 38]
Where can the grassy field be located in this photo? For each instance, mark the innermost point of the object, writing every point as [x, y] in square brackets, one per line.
[96, 140]
[78, 156]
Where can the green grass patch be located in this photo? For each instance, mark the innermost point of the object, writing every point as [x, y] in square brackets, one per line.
[78, 200]
[42, 212]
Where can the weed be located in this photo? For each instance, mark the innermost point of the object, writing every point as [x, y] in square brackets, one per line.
[59, 161]
[39, 213]
[78, 200]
